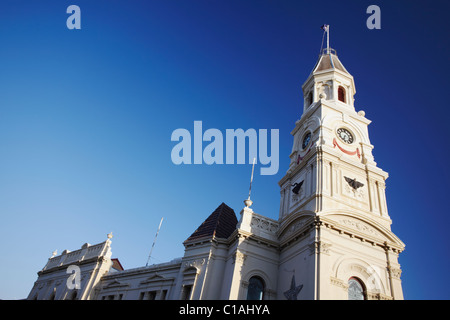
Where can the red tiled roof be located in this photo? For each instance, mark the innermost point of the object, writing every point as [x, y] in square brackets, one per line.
[116, 264]
[220, 224]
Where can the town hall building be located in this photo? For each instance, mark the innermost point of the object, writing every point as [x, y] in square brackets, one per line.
[332, 239]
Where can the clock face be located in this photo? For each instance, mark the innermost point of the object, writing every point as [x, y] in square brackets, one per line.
[345, 135]
[306, 140]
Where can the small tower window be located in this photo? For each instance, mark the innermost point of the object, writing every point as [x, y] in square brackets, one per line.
[341, 94]
[309, 99]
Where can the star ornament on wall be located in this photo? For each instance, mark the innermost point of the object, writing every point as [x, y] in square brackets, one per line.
[293, 292]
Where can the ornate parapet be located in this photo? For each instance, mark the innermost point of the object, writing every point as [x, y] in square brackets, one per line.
[258, 225]
[98, 252]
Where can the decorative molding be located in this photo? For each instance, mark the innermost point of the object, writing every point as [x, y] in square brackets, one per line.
[116, 284]
[156, 278]
[297, 225]
[395, 272]
[339, 283]
[378, 296]
[194, 263]
[360, 226]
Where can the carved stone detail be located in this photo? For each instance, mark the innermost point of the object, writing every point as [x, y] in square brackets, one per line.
[294, 227]
[338, 282]
[360, 226]
[395, 272]
[264, 224]
[239, 257]
[195, 263]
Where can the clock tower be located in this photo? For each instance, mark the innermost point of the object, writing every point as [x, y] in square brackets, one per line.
[334, 226]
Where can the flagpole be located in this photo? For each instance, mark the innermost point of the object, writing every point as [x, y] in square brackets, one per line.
[328, 39]
[251, 179]
[249, 202]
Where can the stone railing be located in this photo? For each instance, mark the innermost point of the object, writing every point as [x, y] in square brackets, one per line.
[87, 251]
[258, 225]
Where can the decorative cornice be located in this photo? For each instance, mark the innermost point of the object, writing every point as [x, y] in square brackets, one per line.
[364, 231]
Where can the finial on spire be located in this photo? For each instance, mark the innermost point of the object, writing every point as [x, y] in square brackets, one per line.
[249, 202]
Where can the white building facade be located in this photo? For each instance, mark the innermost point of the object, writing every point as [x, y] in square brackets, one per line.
[332, 240]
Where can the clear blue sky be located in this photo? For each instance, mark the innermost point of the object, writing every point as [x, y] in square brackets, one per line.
[86, 118]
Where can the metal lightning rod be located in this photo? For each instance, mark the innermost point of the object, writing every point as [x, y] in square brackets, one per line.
[251, 179]
[154, 242]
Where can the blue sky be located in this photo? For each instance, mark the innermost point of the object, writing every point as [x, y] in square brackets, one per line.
[86, 118]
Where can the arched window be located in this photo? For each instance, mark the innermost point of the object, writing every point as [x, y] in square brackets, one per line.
[255, 288]
[355, 289]
[341, 94]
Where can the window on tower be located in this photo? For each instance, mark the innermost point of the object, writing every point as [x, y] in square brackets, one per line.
[341, 94]
[309, 99]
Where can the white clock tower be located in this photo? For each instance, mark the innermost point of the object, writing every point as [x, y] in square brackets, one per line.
[334, 227]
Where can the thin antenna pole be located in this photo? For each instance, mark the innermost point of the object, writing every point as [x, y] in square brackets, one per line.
[154, 242]
[251, 179]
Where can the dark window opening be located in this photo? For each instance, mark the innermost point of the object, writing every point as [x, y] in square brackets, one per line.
[341, 94]
[186, 293]
[309, 99]
[255, 289]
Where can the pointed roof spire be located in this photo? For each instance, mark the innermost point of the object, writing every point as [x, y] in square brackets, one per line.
[220, 224]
